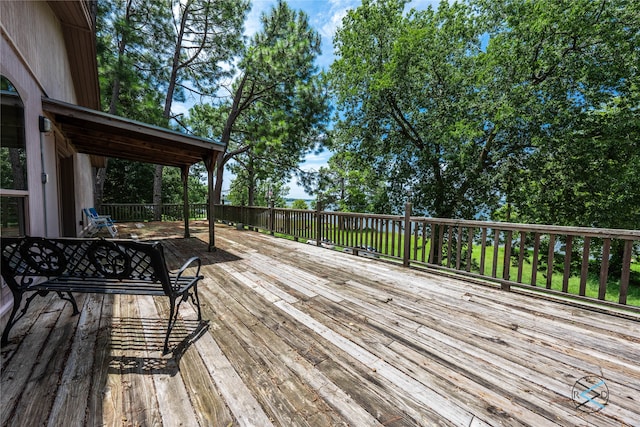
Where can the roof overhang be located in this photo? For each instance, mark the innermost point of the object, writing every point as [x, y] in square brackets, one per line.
[77, 23]
[100, 134]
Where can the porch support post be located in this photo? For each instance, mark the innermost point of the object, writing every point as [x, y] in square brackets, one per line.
[184, 174]
[210, 163]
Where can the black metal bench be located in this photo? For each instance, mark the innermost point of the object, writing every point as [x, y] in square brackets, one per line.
[39, 265]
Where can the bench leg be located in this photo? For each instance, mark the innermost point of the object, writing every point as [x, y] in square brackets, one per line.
[196, 300]
[173, 315]
[71, 299]
[17, 300]
[175, 308]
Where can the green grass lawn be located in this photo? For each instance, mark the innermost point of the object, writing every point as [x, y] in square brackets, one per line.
[592, 284]
[392, 245]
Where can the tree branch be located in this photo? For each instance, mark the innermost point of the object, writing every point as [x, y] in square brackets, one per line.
[406, 128]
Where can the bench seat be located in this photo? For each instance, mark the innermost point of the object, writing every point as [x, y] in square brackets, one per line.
[36, 266]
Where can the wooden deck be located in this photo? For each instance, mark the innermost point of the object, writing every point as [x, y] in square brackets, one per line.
[300, 335]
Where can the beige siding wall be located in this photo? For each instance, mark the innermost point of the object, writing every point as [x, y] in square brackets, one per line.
[37, 35]
[84, 187]
[34, 58]
[29, 90]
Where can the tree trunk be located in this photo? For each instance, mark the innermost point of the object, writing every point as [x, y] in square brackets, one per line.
[175, 66]
[101, 177]
[157, 193]
[252, 184]
[217, 190]
[226, 138]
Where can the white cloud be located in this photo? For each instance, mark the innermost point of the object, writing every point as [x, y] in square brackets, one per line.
[252, 24]
[179, 108]
[329, 25]
[313, 161]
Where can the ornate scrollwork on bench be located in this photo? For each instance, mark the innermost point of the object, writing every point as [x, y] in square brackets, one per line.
[36, 266]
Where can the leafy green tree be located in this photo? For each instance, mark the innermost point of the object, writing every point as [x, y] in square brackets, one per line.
[277, 106]
[127, 85]
[576, 83]
[202, 35]
[123, 182]
[265, 193]
[406, 88]
[299, 204]
[347, 185]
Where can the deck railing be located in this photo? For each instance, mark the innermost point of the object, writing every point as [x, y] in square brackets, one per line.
[127, 212]
[593, 264]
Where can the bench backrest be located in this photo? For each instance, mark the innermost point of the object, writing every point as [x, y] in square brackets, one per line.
[29, 257]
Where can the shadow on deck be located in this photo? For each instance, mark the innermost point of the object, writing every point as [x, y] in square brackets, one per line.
[300, 335]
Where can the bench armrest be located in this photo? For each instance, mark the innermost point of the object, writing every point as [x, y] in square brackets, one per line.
[176, 274]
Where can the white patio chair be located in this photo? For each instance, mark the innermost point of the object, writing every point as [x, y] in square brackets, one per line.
[97, 222]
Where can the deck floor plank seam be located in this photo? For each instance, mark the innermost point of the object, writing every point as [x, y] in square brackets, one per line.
[305, 339]
[101, 356]
[206, 398]
[75, 383]
[267, 350]
[298, 335]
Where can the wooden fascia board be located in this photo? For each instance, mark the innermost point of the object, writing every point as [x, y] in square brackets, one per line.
[130, 148]
[97, 118]
[100, 134]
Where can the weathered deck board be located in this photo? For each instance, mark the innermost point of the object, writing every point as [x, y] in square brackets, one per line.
[75, 383]
[302, 336]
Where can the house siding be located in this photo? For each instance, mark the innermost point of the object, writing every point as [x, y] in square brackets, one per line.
[35, 60]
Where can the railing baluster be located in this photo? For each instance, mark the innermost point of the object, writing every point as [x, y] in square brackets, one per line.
[567, 264]
[425, 227]
[483, 249]
[386, 234]
[550, 253]
[584, 270]
[379, 235]
[523, 239]
[470, 233]
[604, 268]
[506, 265]
[496, 244]
[534, 261]
[458, 247]
[415, 241]
[626, 272]
[393, 237]
[432, 246]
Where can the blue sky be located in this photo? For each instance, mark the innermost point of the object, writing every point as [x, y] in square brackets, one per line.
[325, 16]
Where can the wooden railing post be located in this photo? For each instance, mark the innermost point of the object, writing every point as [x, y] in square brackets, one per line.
[358, 231]
[184, 175]
[318, 223]
[506, 265]
[272, 218]
[407, 234]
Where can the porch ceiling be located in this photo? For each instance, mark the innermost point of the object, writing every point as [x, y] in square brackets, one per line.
[100, 134]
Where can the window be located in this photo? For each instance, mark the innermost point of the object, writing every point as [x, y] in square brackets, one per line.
[13, 162]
